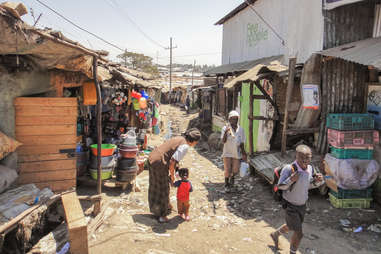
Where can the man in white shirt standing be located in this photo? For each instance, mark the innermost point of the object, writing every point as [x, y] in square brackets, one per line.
[233, 137]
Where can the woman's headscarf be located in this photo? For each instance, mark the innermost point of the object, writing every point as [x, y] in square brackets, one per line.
[233, 113]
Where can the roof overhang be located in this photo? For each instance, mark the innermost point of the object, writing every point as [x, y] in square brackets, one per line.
[241, 66]
[234, 12]
[256, 72]
[366, 52]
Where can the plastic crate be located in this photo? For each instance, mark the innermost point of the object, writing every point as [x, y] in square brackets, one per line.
[353, 139]
[350, 122]
[361, 154]
[349, 203]
[349, 194]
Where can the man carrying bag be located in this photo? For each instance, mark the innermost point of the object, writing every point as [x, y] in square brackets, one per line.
[294, 183]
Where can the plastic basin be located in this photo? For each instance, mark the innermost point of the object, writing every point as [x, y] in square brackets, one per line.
[105, 173]
[106, 149]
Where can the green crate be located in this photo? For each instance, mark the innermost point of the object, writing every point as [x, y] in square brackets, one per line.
[361, 154]
[350, 194]
[350, 122]
[349, 203]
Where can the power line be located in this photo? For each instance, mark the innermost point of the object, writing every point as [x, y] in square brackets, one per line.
[77, 26]
[124, 14]
[268, 24]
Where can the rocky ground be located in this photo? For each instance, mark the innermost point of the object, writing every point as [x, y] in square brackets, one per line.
[223, 223]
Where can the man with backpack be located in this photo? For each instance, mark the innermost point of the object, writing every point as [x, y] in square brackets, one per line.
[294, 182]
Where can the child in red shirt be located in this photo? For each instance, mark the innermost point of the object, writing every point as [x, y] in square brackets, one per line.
[184, 187]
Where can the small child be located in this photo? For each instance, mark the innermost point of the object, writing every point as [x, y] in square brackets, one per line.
[184, 187]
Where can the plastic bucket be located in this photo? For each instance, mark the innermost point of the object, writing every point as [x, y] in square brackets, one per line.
[105, 173]
[106, 149]
[106, 162]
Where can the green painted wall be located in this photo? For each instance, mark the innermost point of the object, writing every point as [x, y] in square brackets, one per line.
[245, 109]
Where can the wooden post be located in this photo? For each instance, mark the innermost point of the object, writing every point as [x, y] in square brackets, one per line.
[290, 86]
[76, 224]
[99, 125]
[251, 116]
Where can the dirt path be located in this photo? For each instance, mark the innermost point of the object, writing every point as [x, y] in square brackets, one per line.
[223, 223]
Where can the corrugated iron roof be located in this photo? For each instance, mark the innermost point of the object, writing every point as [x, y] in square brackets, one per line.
[234, 12]
[253, 73]
[365, 52]
[242, 66]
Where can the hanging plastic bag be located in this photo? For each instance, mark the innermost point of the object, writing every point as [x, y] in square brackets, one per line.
[244, 169]
[135, 103]
[143, 103]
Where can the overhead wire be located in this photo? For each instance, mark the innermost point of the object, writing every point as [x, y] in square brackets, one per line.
[120, 10]
[77, 26]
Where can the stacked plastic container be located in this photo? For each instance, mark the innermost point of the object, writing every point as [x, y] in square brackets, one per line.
[351, 136]
[127, 166]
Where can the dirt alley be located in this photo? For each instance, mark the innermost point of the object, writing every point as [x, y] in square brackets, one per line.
[223, 223]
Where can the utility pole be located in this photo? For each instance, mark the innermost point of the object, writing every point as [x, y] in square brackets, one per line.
[125, 58]
[157, 58]
[194, 65]
[170, 65]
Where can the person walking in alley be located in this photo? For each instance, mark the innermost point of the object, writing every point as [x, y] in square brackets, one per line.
[184, 186]
[161, 164]
[187, 104]
[294, 181]
[233, 137]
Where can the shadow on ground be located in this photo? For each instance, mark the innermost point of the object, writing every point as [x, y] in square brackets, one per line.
[157, 227]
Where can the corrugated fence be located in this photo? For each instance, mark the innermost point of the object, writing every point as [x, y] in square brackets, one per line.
[343, 87]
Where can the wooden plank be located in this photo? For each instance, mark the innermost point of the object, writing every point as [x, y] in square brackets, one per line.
[290, 87]
[251, 114]
[265, 94]
[37, 177]
[76, 223]
[43, 157]
[47, 140]
[259, 97]
[49, 120]
[45, 111]
[58, 186]
[8, 226]
[42, 166]
[43, 149]
[45, 101]
[302, 131]
[46, 130]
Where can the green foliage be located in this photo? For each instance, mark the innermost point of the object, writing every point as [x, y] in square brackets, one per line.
[139, 62]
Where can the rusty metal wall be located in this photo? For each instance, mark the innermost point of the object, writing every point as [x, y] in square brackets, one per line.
[349, 23]
[343, 88]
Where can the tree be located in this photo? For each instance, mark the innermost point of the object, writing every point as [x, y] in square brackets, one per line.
[138, 62]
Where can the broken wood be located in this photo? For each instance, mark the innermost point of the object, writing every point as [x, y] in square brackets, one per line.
[265, 94]
[290, 86]
[76, 223]
[53, 242]
[10, 225]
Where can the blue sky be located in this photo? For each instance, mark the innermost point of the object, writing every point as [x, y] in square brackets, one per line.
[190, 23]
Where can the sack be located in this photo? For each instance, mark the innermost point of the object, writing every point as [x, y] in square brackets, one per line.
[277, 193]
[7, 177]
[7, 145]
[243, 170]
